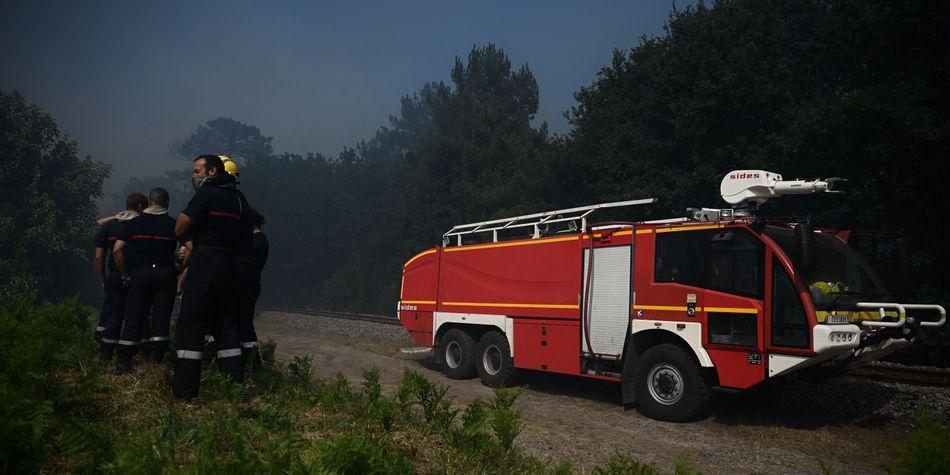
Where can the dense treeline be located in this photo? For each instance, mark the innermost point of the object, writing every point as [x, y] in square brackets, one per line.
[46, 206]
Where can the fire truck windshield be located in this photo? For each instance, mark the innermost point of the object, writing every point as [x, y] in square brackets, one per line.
[839, 278]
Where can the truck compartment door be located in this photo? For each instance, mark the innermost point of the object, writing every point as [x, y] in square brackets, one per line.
[608, 302]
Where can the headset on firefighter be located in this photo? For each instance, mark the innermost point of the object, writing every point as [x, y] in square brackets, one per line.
[231, 167]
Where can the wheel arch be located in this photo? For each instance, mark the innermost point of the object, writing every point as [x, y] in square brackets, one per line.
[643, 338]
[474, 330]
[475, 325]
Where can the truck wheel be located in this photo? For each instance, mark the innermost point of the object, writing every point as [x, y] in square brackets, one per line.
[456, 354]
[670, 385]
[493, 360]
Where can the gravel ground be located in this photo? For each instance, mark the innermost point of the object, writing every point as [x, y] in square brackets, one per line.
[786, 426]
[359, 329]
[853, 400]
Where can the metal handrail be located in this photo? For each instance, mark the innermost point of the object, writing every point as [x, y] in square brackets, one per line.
[580, 213]
[901, 312]
[923, 306]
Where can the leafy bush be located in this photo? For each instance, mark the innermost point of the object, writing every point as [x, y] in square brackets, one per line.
[618, 464]
[926, 451]
[59, 412]
[38, 411]
[359, 454]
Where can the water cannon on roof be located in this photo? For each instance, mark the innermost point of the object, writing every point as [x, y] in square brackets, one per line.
[751, 188]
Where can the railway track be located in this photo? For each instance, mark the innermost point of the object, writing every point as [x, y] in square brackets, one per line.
[902, 374]
[333, 314]
[892, 374]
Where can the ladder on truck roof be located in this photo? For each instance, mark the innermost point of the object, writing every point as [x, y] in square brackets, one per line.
[535, 220]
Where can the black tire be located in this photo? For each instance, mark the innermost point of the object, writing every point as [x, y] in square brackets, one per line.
[456, 354]
[678, 391]
[493, 360]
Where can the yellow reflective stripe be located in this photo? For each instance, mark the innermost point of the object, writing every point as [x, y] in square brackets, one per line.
[687, 228]
[698, 309]
[731, 310]
[644, 231]
[618, 233]
[509, 244]
[402, 284]
[515, 305]
[659, 307]
[418, 302]
[423, 253]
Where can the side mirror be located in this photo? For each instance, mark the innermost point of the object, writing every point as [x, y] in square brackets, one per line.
[805, 243]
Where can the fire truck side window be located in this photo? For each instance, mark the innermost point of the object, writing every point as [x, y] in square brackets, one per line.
[735, 263]
[727, 261]
[681, 258]
[789, 323]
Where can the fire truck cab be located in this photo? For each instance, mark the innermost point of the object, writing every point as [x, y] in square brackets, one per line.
[670, 309]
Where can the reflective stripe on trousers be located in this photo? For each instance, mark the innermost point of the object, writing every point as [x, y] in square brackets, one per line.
[158, 338]
[248, 344]
[129, 343]
[229, 353]
[189, 355]
[100, 328]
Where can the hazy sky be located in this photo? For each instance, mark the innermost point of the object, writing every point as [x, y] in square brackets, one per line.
[125, 79]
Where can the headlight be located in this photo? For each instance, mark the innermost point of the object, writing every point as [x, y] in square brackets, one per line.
[841, 337]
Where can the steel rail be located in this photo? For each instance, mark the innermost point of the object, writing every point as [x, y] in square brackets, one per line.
[902, 374]
[332, 314]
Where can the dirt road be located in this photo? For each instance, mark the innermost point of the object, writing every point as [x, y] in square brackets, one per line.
[848, 424]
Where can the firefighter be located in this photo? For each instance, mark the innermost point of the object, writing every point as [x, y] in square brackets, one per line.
[211, 348]
[145, 254]
[113, 306]
[249, 267]
[216, 220]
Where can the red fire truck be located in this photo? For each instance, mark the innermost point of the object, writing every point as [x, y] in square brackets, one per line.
[670, 309]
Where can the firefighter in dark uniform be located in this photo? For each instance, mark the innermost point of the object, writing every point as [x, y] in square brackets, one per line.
[211, 348]
[113, 306]
[216, 218]
[249, 267]
[145, 254]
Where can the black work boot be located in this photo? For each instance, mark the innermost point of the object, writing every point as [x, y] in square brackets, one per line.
[123, 364]
[156, 356]
[210, 352]
[105, 354]
[254, 356]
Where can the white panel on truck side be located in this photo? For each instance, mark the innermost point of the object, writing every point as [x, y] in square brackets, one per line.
[608, 301]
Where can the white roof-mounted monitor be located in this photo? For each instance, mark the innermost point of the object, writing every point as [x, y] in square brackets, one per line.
[754, 187]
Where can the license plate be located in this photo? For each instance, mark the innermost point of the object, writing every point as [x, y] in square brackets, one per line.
[833, 319]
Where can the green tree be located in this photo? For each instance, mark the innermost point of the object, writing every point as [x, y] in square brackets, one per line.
[484, 159]
[224, 136]
[46, 200]
[454, 154]
[847, 88]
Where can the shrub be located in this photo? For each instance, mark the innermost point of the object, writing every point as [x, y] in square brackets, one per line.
[359, 454]
[38, 411]
[619, 464]
[417, 391]
[926, 451]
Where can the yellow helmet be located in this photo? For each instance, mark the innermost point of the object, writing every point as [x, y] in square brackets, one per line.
[231, 167]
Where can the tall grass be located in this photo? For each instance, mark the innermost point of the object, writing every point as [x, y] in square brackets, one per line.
[61, 411]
